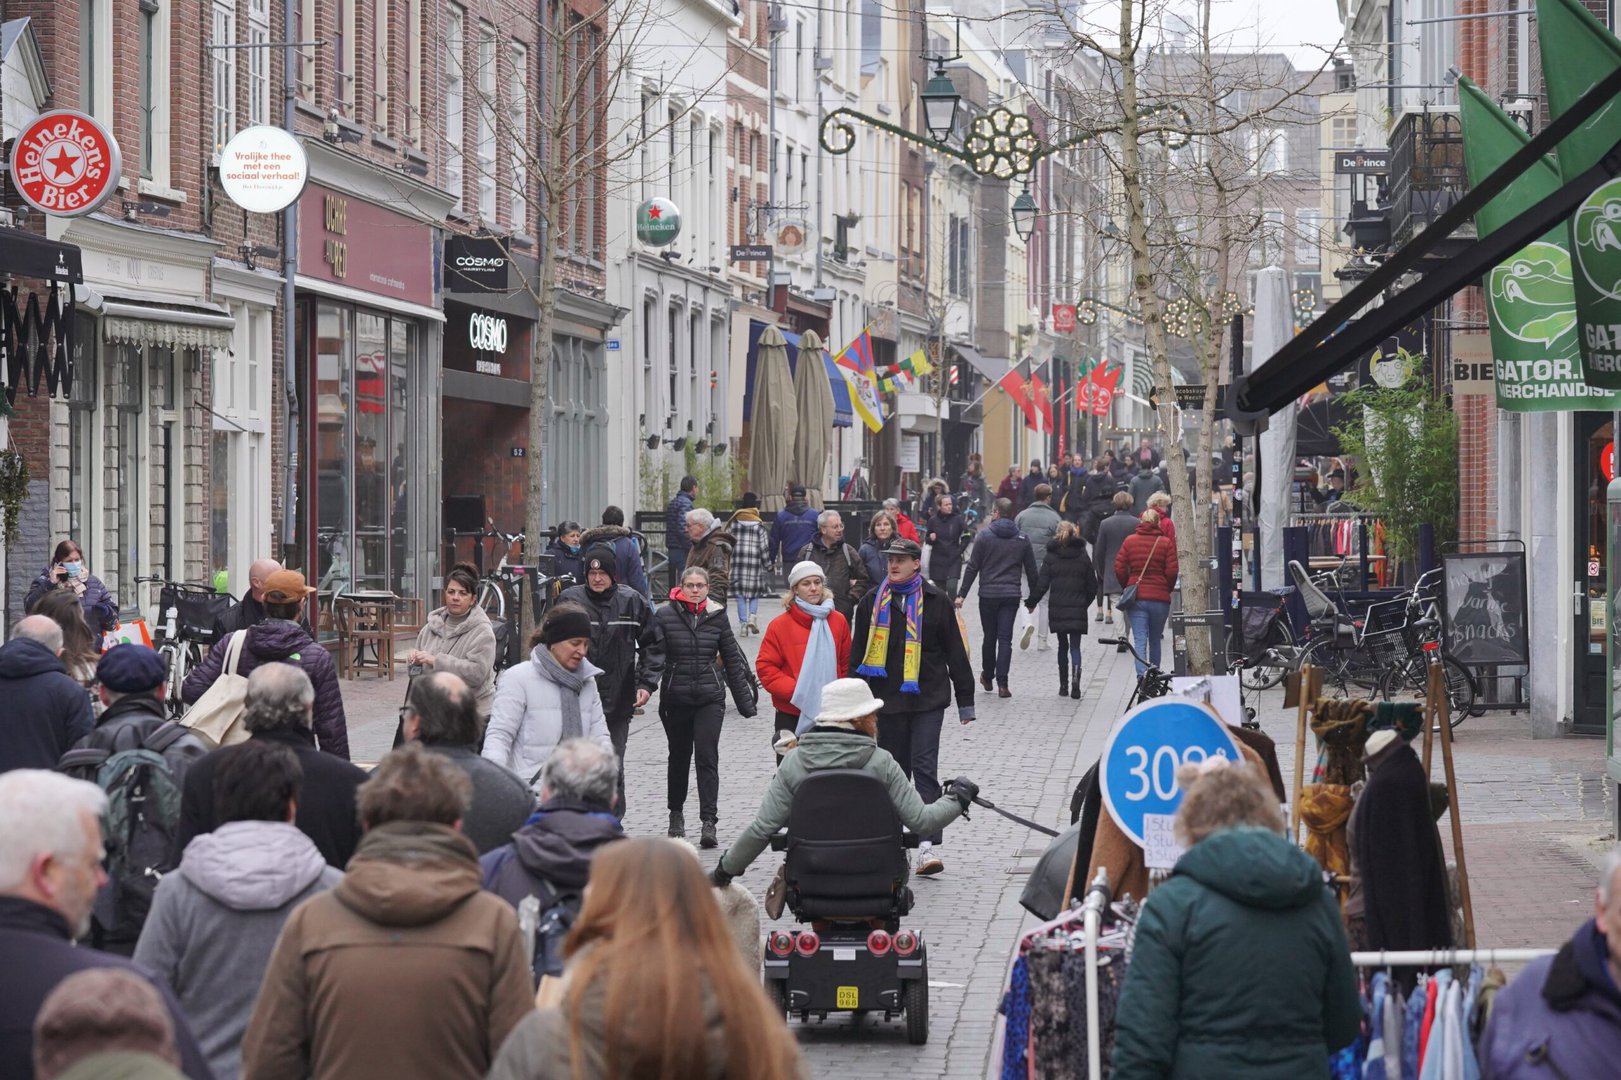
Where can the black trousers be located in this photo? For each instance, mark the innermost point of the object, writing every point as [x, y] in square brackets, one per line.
[913, 740]
[997, 615]
[619, 735]
[694, 731]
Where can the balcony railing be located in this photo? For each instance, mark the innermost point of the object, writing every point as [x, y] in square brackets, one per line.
[1427, 173]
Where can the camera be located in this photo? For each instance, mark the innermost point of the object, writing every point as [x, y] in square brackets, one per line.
[414, 670]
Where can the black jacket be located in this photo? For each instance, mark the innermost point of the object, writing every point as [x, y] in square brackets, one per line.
[326, 801]
[248, 612]
[844, 573]
[690, 642]
[945, 658]
[36, 954]
[622, 645]
[1000, 553]
[553, 848]
[1027, 487]
[945, 550]
[128, 721]
[1068, 573]
[1098, 493]
[47, 710]
[1398, 857]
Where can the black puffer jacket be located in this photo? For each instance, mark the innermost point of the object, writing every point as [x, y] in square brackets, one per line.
[622, 645]
[1068, 572]
[690, 642]
[279, 641]
[945, 552]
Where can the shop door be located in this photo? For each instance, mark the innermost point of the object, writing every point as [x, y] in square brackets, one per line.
[1593, 433]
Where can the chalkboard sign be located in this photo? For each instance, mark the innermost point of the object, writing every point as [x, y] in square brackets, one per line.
[1483, 607]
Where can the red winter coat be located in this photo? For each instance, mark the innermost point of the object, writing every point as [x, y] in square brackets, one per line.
[1138, 555]
[782, 654]
[907, 528]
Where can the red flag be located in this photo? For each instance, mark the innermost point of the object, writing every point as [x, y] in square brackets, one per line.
[1097, 393]
[1043, 399]
[1019, 391]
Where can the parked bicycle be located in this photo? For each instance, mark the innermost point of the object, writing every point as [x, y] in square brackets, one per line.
[187, 627]
[1152, 683]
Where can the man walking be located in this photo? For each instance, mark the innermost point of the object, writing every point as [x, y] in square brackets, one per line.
[1027, 488]
[250, 610]
[794, 527]
[623, 645]
[1143, 485]
[676, 541]
[420, 972]
[912, 655]
[1001, 553]
[47, 710]
[627, 549]
[844, 575]
[1038, 521]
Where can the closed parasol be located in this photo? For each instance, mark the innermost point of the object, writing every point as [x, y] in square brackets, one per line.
[772, 422]
[813, 400]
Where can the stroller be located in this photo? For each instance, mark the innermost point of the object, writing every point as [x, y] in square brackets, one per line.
[846, 877]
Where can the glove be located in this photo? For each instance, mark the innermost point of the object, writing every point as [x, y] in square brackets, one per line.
[719, 878]
[963, 790]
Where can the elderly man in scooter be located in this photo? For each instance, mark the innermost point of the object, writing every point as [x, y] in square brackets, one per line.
[845, 736]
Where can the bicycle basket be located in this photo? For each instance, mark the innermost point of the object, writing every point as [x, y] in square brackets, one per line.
[198, 611]
[1257, 622]
[1382, 630]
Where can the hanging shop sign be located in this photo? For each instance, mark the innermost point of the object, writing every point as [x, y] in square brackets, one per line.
[65, 164]
[1483, 607]
[391, 254]
[1361, 162]
[477, 264]
[751, 252]
[1063, 318]
[658, 222]
[1147, 745]
[487, 333]
[263, 169]
[790, 236]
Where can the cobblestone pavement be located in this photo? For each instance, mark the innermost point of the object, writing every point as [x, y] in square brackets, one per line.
[1535, 814]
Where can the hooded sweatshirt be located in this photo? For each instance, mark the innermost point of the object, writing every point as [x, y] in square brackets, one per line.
[47, 710]
[1001, 553]
[406, 968]
[1241, 968]
[554, 847]
[216, 920]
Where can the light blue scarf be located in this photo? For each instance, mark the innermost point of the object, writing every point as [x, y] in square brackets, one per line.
[821, 664]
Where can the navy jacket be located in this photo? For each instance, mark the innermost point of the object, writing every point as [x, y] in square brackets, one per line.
[1000, 553]
[47, 710]
[628, 567]
[554, 848]
[280, 641]
[100, 609]
[794, 528]
[675, 523]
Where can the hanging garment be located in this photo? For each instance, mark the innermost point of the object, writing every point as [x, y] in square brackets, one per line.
[1016, 1034]
[1458, 1057]
[1267, 750]
[1412, 1022]
[1374, 1067]
[1346, 1063]
[1341, 728]
[1325, 809]
[1051, 1021]
[1395, 1012]
[1426, 1029]
[1397, 854]
[1112, 968]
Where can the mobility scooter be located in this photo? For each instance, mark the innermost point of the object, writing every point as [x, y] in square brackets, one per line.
[846, 877]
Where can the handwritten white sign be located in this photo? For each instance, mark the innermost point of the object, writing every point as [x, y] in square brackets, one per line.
[1160, 849]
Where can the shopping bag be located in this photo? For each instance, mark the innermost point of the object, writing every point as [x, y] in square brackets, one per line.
[133, 632]
[217, 715]
[962, 628]
[1025, 629]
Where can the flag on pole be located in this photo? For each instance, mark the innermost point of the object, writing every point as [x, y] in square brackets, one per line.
[1042, 397]
[1577, 53]
[1019, 391]
[1097, 393]
[854, 362]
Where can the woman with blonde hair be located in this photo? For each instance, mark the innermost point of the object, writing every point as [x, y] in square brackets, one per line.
[1241, 967]
[654, 985]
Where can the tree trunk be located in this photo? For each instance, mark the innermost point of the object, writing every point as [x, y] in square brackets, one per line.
[535, 494]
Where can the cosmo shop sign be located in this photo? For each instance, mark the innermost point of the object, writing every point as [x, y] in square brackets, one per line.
[65, 164]
[487, 334]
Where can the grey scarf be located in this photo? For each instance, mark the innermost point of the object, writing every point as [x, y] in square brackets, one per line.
[570, 682]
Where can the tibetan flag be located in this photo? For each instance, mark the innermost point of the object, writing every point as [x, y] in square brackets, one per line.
[865, 398]
[1019, 391]
[857, 356]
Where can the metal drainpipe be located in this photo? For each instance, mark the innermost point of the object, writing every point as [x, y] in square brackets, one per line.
[289, 267]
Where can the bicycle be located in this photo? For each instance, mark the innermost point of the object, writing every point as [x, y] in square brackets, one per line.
[1152, 683]
[187, 627]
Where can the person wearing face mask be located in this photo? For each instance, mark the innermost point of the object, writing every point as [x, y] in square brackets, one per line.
[459, 638]
[551, 698]
[804, 649]
[565, 551]
[69, 571]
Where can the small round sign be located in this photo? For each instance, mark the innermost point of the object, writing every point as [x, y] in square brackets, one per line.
[1138, 770]
[263, 169]
[658, 222]
[65, 164]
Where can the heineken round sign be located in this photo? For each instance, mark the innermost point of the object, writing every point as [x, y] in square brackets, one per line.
[658, 222]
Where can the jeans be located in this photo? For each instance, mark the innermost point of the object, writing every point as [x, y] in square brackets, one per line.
[619, 735]
[996, 617]
[746, 606]
[1148, 628]
[694, 730]
[1069, 653]
[913, 740]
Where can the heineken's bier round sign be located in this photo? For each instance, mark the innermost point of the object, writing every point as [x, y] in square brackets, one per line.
[658, 222]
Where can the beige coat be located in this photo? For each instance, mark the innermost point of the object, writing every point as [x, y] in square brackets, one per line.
[465, 649]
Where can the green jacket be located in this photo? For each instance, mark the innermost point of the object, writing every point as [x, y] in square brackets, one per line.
[1241, 968]
[819, 749]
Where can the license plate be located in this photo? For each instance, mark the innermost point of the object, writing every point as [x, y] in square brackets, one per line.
[849, 997]
[844, 954]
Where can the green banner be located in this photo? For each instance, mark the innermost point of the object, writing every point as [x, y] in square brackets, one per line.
[1530, 304]
[1578, 52]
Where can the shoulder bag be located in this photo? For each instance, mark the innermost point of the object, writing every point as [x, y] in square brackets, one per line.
[1128, 596]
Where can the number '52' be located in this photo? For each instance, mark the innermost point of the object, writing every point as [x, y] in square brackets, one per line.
[1162, 768]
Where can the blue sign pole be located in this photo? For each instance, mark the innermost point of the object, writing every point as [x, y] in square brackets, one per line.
[1145, 749]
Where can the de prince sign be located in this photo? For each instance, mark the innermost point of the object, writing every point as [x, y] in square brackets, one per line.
[65, 164]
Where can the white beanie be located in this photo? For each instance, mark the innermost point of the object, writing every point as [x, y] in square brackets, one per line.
[803, 570]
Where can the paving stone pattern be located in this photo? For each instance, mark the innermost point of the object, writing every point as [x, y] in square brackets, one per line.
[1535, 815]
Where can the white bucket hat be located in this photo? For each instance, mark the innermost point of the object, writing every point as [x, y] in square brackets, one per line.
[803, 570]
[844, 700]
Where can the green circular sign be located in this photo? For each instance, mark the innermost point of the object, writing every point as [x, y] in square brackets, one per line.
[658, 222]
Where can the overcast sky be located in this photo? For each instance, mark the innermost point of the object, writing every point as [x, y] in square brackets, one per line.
[1291, 26]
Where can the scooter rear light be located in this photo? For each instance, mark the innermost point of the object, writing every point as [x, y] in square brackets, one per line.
[878, 942]
[782, 943]
[1431, 646]
[906, 943]
[807, 943]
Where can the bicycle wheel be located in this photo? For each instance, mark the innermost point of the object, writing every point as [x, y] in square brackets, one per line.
[1278, 659]
[1335, 664]
[492, 597]
[1409, 680]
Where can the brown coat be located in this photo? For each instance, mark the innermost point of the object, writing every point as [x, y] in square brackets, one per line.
[714, 554]
[405, 969]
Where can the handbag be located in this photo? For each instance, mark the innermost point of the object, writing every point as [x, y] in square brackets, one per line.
[217, 715]
[1128, 596]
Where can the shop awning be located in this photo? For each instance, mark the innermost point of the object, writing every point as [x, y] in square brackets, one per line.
[200, 326]
[27, 255]
[992, 367]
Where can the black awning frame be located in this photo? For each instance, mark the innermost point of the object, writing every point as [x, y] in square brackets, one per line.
[1318, 352]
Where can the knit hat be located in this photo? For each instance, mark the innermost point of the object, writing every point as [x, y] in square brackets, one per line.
[846, 700]
[131, 669]
[601, 557]
[803, 570]
[565, 622]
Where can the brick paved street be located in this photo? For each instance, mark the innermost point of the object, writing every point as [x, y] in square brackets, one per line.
[1535, 814]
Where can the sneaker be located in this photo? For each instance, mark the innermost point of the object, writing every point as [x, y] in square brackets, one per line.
[706, 836]
[678, 825]
[1100, 616]
[1109, 618]
[1042, 644]
[754, 624]
[929, 866]
[1024, 638]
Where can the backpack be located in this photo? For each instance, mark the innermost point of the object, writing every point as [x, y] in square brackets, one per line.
[217, 715]
[143, 815]
[547, 918]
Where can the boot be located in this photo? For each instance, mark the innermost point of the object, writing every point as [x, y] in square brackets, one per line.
[1075, 690]
[678, 824]
[1063, 676]
[754, 624]
[706, 835]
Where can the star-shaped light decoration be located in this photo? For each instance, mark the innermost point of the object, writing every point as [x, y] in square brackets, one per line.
[1001, 144]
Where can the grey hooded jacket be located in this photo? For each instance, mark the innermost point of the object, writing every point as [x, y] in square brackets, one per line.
[215, 920]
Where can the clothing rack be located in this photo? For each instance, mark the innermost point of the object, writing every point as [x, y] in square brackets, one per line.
[1447, 957]
[1097, 898]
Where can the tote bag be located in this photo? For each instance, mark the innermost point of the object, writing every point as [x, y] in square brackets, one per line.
[1128, 596]
[217, 715]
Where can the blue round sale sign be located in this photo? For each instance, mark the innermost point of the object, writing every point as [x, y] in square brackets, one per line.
[1145, 749]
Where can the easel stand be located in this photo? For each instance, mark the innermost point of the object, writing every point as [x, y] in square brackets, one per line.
[1311, 688]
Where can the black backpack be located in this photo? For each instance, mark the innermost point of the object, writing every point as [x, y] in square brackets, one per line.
[554, 914]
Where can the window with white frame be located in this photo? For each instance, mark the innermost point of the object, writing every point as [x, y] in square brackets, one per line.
[239, 510]
[304, 29]
[455, 99]
[1269, 147]
[258, 60]
[223, 65]
[518, 134]
[344, 77]
[382, 26]
[487, 104]
[96, 57]
[154, 36]
[1308, 235]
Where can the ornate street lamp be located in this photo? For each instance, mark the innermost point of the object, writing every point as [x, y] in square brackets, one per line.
[940, 102]
[1024, 214]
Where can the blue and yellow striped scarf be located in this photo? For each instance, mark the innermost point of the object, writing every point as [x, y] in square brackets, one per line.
[876, 655]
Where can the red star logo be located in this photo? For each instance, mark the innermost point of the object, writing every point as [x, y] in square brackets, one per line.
[653, 212]
[63, 162]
